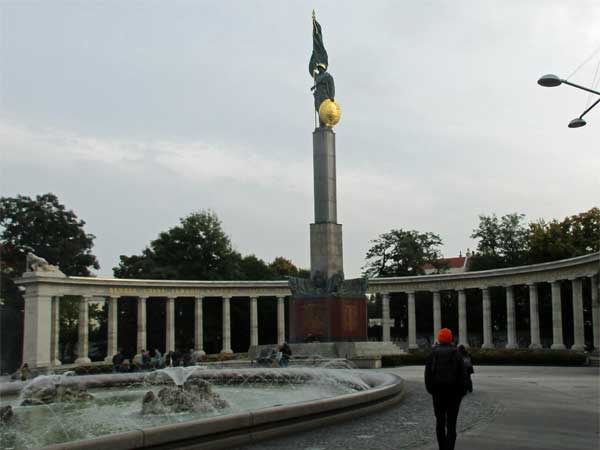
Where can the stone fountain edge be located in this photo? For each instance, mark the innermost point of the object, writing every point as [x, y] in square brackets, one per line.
[250, 426]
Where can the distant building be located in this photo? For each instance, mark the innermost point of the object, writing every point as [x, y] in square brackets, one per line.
[456, 264]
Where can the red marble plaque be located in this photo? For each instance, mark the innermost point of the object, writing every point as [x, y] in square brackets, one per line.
[328, 319]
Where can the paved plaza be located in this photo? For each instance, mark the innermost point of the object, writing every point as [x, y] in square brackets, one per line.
[511, 408]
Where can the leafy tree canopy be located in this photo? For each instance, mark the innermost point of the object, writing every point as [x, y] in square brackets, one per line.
[503, 242]
[574, 236]
[46, 228]
[196, 249]
[400, 252]
[199, 249]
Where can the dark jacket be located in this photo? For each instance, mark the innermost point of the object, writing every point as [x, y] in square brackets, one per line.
[445, 372]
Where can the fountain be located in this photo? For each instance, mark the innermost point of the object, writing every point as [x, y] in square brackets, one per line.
[182, 404]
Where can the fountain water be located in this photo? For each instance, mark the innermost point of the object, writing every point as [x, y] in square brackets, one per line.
[59, 409]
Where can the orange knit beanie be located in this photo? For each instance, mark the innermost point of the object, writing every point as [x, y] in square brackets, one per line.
[445, 336]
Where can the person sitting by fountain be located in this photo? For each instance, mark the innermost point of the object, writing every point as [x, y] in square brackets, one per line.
[146, 360]
[117, 361]
[186, 358]
[175, 358]
[23, 373]
[286, 354]
[158, 359]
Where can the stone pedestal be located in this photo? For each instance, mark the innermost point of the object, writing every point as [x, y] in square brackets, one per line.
[326, 253]
[328, 319]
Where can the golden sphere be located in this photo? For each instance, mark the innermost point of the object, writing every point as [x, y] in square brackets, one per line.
[330, 112]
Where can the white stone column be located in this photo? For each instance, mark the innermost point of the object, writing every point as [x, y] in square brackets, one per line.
[55, 332]
[112, 325]
[595, 312]
[557, 331]
[412, 322]
[226, 342]
[511, 330]
[385, 317]
[534, 317]
[37, 329]
[578, 336]
[463, 337]
[198, 330]
[488, 340]
[83, 332]
[437, 315]
[170, 325]
[280, 320]
[253, 321]
[141, 328]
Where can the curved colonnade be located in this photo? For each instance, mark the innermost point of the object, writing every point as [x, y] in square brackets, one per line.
[44, 290]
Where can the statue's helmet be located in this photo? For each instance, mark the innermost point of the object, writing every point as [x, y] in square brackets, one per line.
[322, 66]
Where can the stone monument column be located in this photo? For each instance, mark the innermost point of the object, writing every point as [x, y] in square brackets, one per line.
[141, 327]
[55, 333]
[437, 314]
[226, 342]
[280, 320]
[198, 330]
[254, 321]
[385, 317]
[326, 255]
[511, 332]
[37, 329]
[463, 338]
[488, 340]
[325, 307]
[595, 311]
[112, 325]
[83, 332]
[534, 317]
[578, 337]
[170, 325]
[412, 322]
[557, 332]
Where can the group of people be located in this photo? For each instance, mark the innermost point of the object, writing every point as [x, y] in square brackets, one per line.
[448, 379]
[146, 361]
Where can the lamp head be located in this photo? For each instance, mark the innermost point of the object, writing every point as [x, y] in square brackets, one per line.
[577, 123]
[549, 81]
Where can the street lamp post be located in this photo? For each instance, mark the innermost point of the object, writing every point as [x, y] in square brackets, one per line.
[553, 81]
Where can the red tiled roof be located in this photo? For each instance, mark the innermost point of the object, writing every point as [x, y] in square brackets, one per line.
[453, 263]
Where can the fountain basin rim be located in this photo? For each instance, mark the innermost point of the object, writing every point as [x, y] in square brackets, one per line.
[218, 432]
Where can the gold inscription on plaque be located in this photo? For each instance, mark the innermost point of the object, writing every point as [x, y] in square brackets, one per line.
[157, 292]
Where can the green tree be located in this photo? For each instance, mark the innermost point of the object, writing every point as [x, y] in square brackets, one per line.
[503, 242]
[196, 249]
[283, 268]
[253, 268]
[45, 227]
[574, 236]
[400, 252]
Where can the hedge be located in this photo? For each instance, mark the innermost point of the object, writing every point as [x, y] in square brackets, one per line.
[523, 357]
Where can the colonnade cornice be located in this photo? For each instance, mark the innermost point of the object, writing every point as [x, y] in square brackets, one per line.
[39, 283]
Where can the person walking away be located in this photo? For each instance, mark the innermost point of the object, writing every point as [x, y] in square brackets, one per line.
[445, 380]
[462, 351]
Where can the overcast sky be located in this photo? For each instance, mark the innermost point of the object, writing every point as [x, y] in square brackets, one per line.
[138, 113]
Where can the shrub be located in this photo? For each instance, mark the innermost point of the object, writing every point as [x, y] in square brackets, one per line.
[523, 357]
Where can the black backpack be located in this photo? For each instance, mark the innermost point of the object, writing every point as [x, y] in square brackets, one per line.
[445, 369]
